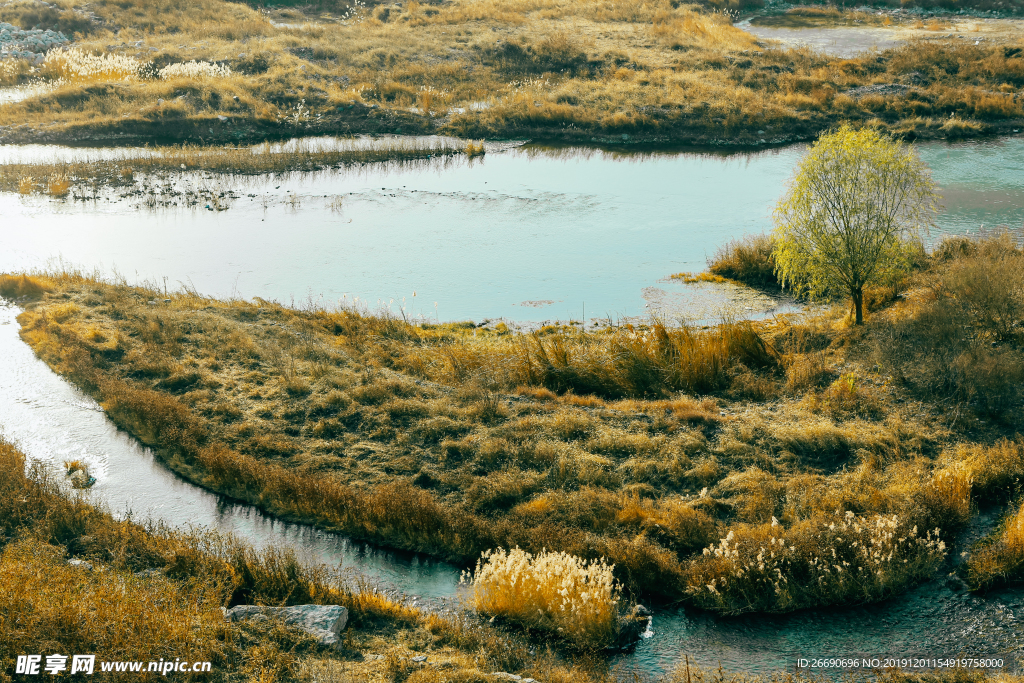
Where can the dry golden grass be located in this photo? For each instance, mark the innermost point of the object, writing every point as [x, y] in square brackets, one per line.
[173, 610]
[479, 68]
[748, 260]
[1000, 558]
[846, 559]
[552, 591]
[17, 286]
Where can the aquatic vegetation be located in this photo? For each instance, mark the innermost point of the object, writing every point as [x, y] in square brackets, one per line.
[749, 260]
[58, 185]
[552, 591]
[253, 160]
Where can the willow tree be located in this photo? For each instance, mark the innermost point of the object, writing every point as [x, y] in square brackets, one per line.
[852, 214]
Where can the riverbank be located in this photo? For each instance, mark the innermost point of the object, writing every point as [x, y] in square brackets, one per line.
[633, 73]
[126, 592]
[647, 446]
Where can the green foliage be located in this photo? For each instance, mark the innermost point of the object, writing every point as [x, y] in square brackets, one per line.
[851, 215]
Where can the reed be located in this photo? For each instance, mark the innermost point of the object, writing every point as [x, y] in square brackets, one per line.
[848, 559]
[552, 591]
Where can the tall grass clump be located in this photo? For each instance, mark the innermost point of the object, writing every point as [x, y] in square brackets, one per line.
[999, 559]
[16, 286]
[847, 559]
[76, 66]
[551, 591]
[631, 362]
[194, 71]
[749, 260]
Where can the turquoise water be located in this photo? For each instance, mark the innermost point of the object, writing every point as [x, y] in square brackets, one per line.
[526, 233]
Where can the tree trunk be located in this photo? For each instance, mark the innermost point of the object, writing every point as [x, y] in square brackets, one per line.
[858, 305]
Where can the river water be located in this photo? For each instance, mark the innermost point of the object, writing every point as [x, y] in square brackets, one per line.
[525, 233]
[526, 225]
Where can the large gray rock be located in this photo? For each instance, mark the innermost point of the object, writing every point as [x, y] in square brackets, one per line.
[325, 622]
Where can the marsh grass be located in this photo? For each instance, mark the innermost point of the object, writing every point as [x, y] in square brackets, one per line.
[998, 560]
[849, 559]
[256, 160]
[748, 260]
[552, 591]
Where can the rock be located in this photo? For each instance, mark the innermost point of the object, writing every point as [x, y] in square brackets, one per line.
[81, 564]
[418, 658]
[325, 622]
[896, 89]
[148, 573]
[505, 676]
[632, 626]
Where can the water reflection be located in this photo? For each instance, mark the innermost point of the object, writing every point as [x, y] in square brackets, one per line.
[590, 231]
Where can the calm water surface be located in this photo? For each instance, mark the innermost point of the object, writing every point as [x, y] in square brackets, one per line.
[526, 233]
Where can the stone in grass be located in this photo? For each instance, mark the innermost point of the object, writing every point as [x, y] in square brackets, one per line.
[632, 626]
[325, 622]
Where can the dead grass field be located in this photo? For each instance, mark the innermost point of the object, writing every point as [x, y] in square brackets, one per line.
[682, 456]
[648, 69]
